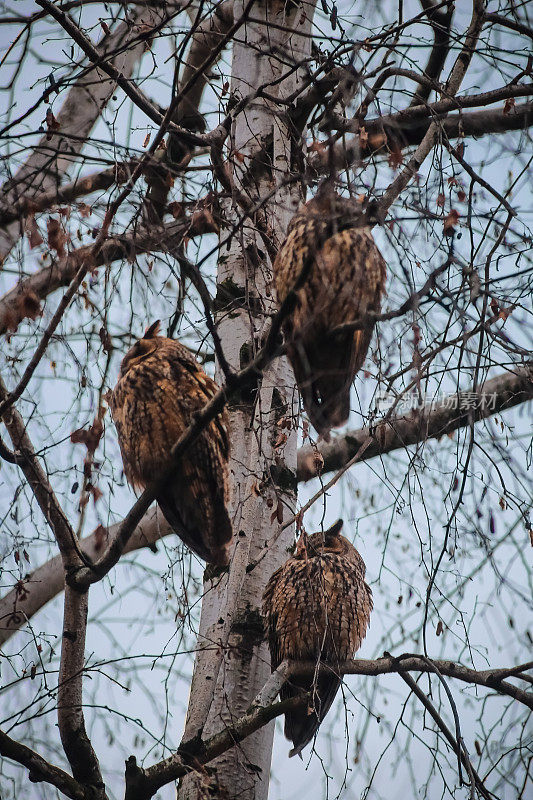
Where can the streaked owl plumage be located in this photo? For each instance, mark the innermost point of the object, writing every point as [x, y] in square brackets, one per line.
[160, 388]
[317, 608]
[330, 244]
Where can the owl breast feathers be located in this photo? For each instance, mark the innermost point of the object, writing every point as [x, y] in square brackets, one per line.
[317, 608]
[331, 259]
[160, 388]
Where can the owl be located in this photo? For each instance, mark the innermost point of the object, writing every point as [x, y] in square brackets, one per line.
[317, 608]
[330, 258]
[160, 388]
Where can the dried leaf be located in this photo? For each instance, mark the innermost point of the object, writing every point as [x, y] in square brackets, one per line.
[85, 210]
[28, 306]
[280, 441]
[509, 105]
[395, 156]
[477, 746]
[57, 237]
[203, 220]
[439, 628]
[450, 222]
[316, 146]
[461, 196]
[318, 460]
[105, 27]
[51, 123]
[176, 209]
[105, 339]
[96, 493]
[363, 138]
[100, 537]
[147, 139]
[32, 232]
[440, 200]
[90, 437]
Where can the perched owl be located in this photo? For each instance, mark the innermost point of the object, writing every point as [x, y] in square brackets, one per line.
[317, 608]
[160, 388]
[331, 259]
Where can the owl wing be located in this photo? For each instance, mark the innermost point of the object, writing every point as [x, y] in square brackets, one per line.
[346, 281]
[195, 500]
[273, 605]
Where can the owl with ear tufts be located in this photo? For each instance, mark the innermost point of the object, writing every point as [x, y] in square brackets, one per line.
[160, 388]
[331, 261]
[317, 608]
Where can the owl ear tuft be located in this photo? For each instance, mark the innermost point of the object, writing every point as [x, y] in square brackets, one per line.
[335, 528]
[153, 330]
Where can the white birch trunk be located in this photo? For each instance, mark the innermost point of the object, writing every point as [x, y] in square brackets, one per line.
[235, 663]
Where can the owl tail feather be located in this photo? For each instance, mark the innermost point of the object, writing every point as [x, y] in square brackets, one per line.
[301, 725]
[194, 536]
[324, 369]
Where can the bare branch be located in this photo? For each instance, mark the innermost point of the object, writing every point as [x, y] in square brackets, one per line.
[494, 396]
[39, 769]
[37, 480]
[456, 743]
[451, 88]
[47, 581]
[97, 181]
[79, 113]
[23, 300]
[70, 717]
[143, 783]
[441, 19]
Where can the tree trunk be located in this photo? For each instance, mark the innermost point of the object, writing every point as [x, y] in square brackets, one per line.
[234, 662]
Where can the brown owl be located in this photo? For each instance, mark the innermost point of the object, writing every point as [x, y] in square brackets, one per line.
[317, 608]
[160, 388]
[331, 259]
